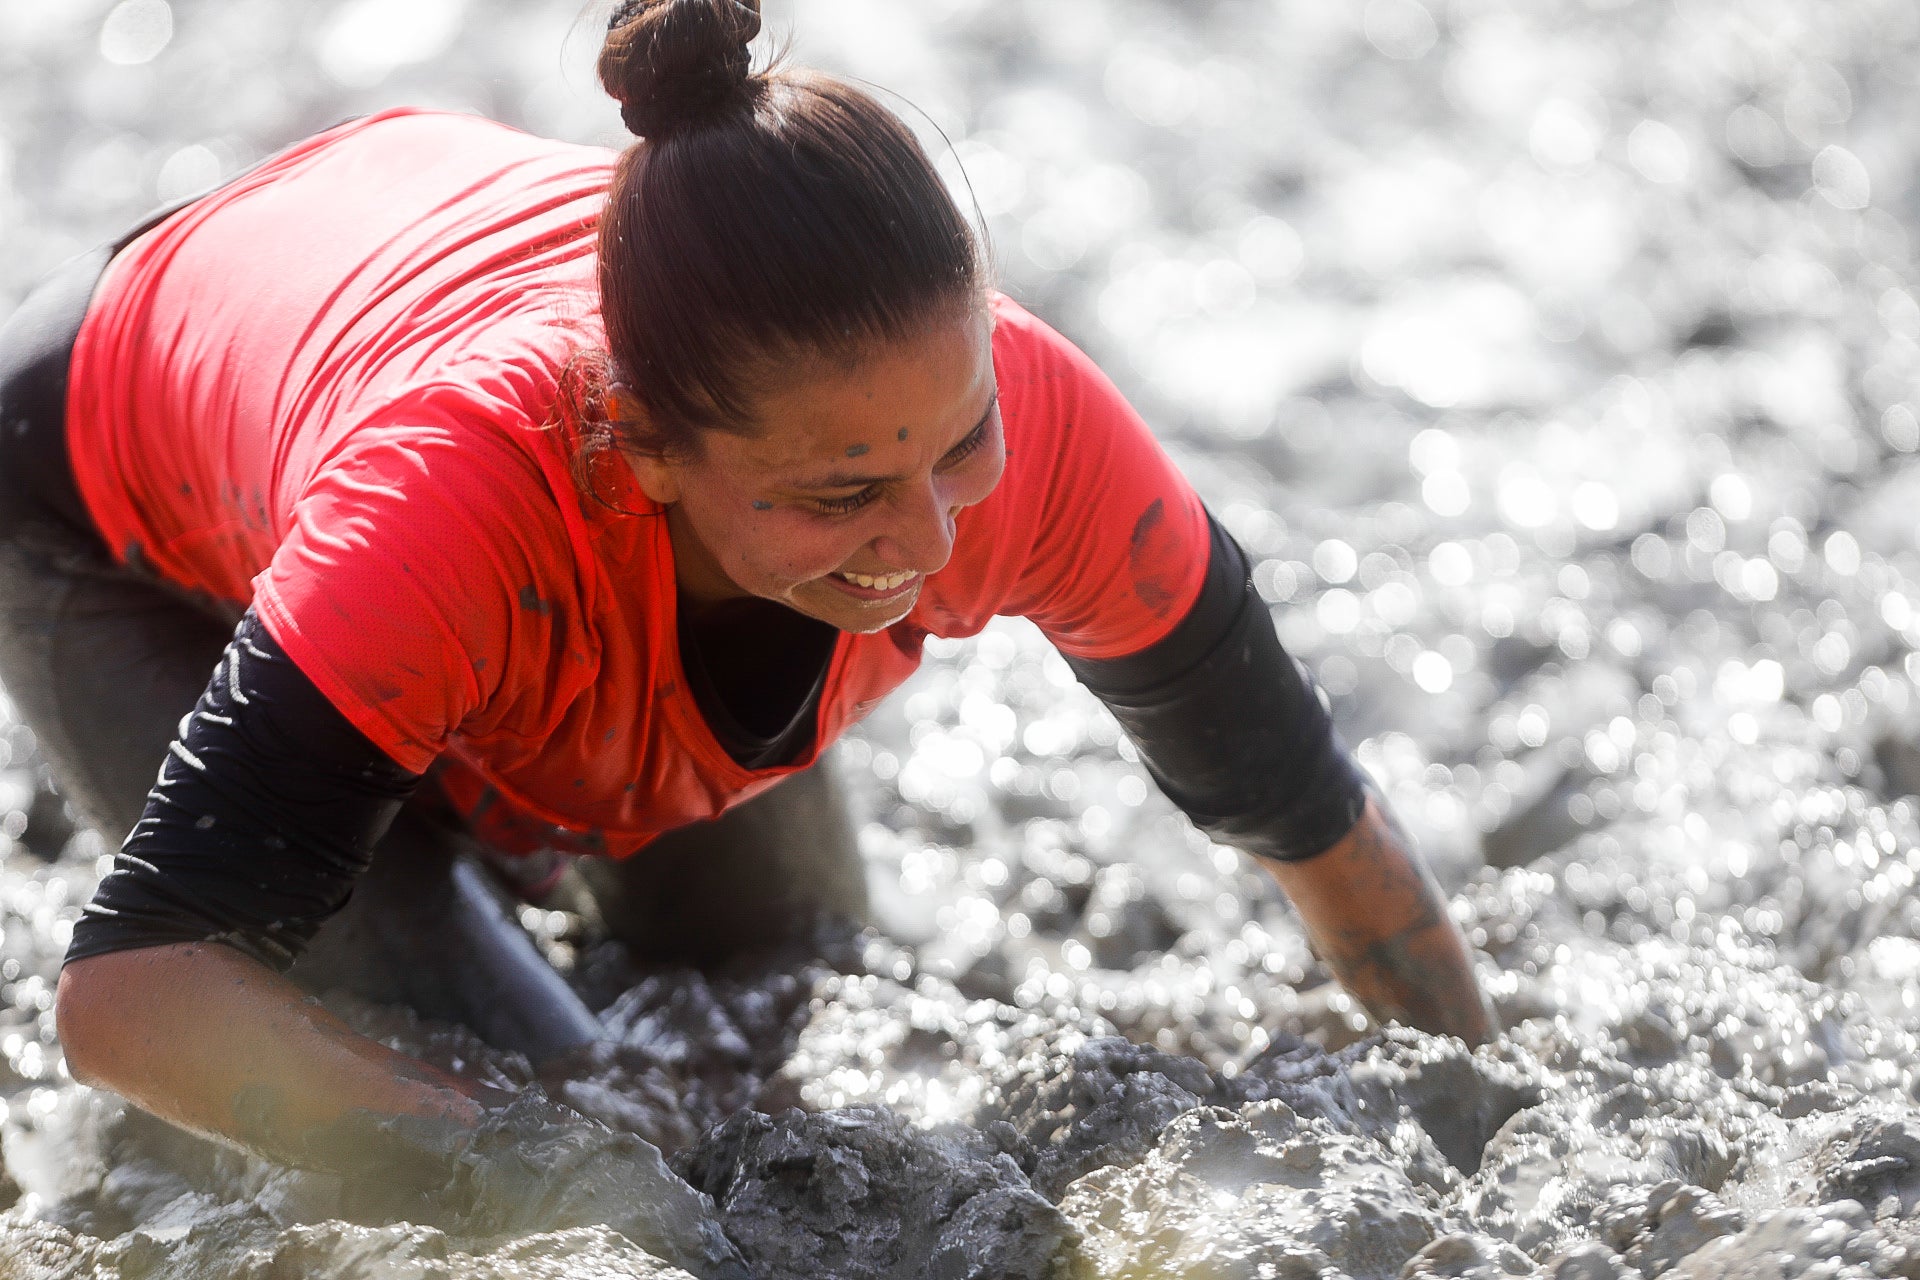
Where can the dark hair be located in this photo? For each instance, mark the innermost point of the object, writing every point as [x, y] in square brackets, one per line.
[763, 218]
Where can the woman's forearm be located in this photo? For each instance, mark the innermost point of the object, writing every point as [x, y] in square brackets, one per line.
[1377, 918]
[217, 1043]
[207, 1038]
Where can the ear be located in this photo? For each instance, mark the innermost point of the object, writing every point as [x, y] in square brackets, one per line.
[659, 478]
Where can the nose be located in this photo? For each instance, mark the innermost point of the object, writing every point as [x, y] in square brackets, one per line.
[920, 536]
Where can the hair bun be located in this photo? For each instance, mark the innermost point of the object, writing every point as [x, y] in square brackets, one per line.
[673, 63]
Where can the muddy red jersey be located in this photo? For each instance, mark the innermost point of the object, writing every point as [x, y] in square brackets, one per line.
[329, 390]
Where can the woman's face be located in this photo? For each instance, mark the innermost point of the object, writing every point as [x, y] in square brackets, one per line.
[844, 501]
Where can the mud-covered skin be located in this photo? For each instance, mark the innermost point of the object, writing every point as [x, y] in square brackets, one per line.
[1380, 922]
[250, 1057]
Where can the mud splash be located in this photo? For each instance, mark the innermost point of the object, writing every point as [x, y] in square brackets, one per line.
[1555, 363]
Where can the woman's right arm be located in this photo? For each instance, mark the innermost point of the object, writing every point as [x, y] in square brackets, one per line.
[220, 1044]
[264, 816]
[216, 1042]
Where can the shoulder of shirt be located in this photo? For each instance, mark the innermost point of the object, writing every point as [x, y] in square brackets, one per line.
[433, 120]
[1031, 363]
[1017, 332]
[487, 412]
[1029, 355]
[1040, 374]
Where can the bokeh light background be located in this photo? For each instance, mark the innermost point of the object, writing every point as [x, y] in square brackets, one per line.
[1554, 360]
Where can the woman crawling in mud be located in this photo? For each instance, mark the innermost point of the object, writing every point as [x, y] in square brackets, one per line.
[575, 503]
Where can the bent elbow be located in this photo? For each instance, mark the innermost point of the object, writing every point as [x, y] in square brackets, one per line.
[85, 1034]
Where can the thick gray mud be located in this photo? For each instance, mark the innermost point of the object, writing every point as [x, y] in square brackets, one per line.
[1556, 363]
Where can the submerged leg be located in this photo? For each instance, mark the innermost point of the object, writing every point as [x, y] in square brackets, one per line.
[764, 873]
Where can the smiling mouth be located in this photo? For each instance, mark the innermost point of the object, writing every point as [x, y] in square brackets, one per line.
[878, 582]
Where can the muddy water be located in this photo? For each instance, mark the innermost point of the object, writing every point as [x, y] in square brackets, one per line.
[1556, 363]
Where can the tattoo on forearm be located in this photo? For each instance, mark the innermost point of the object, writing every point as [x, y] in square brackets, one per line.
[1380, 923]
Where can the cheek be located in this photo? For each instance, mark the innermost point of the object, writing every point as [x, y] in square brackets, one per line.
[757, 549]
[793, 548]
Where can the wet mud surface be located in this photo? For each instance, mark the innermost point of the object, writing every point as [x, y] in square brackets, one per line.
[1556, 364]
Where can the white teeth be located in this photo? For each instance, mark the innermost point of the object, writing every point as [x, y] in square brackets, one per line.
[885, 583]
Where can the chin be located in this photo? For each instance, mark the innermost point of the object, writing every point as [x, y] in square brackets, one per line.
[870, 628]
[839, 613]
[859, 623]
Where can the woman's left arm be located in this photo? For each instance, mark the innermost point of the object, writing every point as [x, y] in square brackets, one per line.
[1229, 725]
[1235, 733]
[1375, 915]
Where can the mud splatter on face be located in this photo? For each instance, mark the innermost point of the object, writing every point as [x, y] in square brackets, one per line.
[759, 505]
[902, 437]
[859, 450]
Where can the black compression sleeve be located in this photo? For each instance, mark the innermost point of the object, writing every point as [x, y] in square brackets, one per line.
[265, 813]
[1230, 726]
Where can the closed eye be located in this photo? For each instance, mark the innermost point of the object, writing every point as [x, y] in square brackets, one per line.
[975, 440]
[851, 503]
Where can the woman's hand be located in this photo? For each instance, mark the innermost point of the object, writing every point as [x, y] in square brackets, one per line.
[1374, 914]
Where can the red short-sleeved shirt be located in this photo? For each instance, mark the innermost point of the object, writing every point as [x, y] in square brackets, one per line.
[328, 389]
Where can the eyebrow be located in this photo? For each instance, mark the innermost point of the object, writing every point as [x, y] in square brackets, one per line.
[852, 479]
